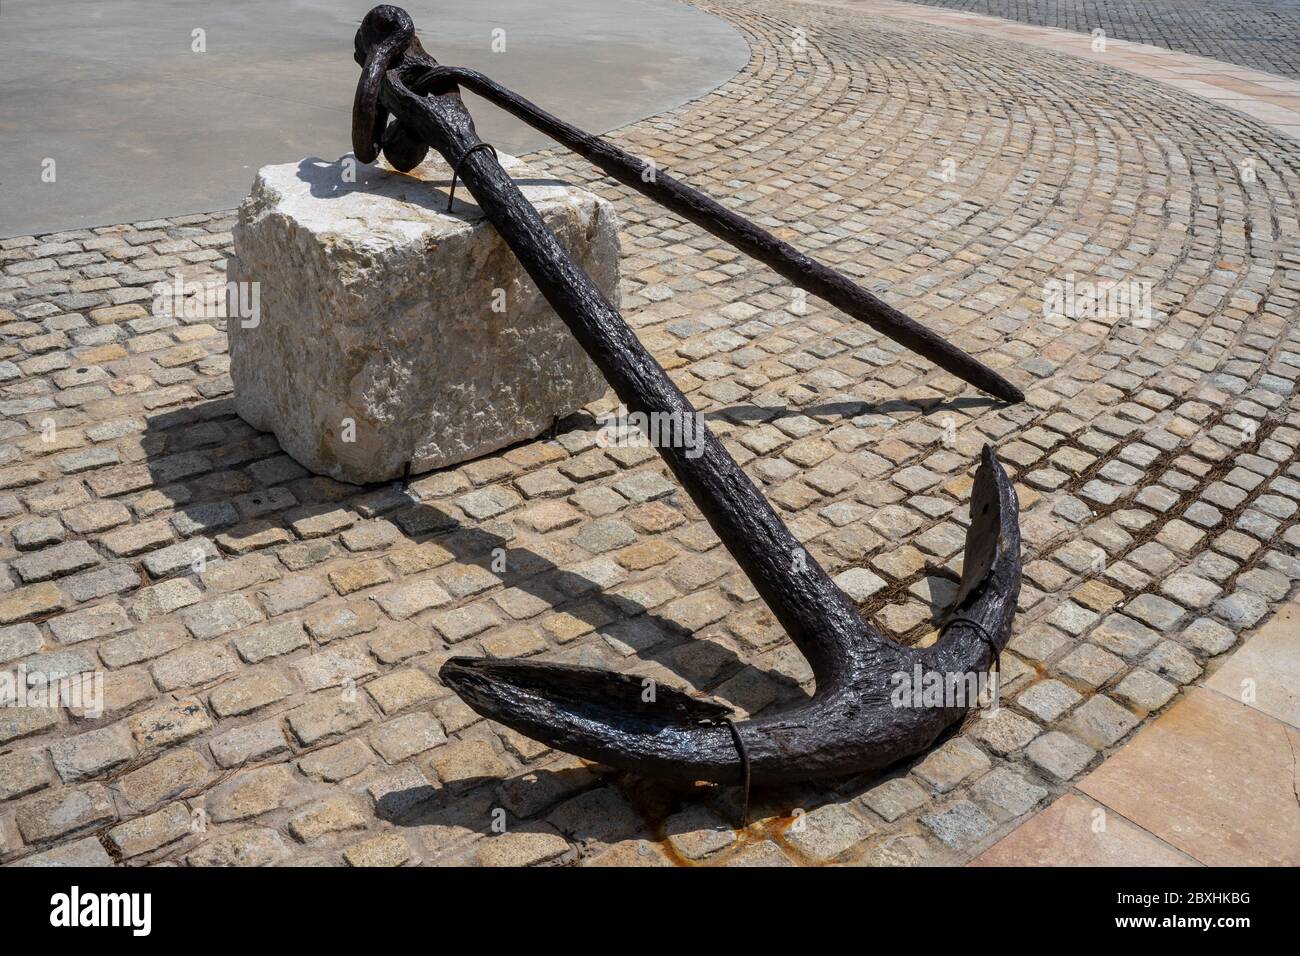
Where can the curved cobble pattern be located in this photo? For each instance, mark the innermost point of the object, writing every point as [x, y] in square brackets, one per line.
[1260, 34]
[269, 640]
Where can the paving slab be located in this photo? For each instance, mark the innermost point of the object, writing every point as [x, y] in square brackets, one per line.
[1212, 777]
[1264, 672]
[1076, 831]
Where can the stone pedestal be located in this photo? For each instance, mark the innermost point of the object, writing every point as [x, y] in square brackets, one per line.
[388, 331]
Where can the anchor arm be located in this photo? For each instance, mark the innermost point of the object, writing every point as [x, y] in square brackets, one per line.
[855, 722]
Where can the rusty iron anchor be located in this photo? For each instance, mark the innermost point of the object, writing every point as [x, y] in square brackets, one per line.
[853, 722]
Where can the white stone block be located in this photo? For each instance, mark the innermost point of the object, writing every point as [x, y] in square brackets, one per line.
[389, 331]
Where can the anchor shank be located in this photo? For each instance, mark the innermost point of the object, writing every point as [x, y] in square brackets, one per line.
[815, 613]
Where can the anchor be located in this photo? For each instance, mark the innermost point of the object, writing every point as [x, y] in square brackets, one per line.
[852, 723]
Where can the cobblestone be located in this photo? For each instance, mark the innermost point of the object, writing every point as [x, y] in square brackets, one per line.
[1048, 699]
[827, 832]
[1261, 34]
[249, 743]
[57, 813]
[148, 833]
[56, 561]
[1006, 793]
[251, 793]
[944, 768]
[165, 778]
[894, 798]
[92, 753]
[1060, 754]
[1101, 722]
[257, 847]
[521, 849]
[386, 850]
[334, 815]
[961, 825]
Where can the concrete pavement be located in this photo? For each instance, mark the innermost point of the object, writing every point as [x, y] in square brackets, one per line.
[140, 125]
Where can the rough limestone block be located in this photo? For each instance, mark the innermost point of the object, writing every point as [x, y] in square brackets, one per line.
[389, 331]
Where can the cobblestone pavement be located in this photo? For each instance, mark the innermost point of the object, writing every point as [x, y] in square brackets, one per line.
[1274, 100]
[1262, 34]
[282, 702]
